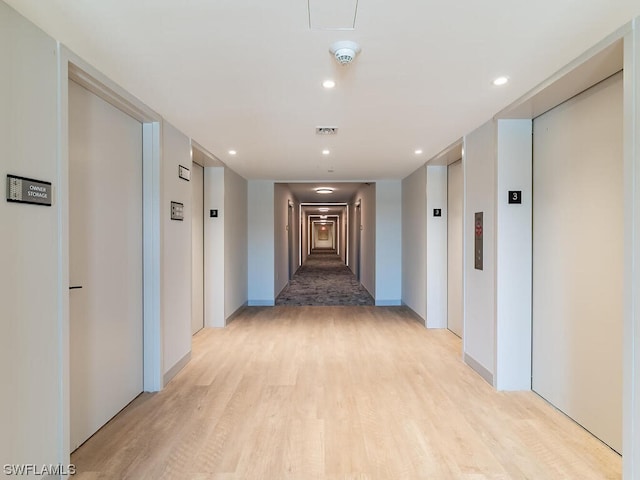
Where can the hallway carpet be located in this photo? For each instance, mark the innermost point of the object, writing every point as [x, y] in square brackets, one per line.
[324, 280]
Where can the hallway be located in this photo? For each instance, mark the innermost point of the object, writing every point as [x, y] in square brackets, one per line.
[324, 280]
[337, 393]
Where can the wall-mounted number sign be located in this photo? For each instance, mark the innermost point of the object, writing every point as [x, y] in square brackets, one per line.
[437, 212]
[28, 190]
[515, 196]
[184, 173]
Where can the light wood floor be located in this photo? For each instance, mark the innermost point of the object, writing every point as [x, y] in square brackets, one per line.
[338, 393]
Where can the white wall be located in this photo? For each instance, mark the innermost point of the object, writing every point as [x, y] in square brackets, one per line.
[214, 247]
[414, 241]
[261, 242]
[480, 287]
[513, 244]
[367, 196]
[34, 284]
[436, 247]
[235, 242]
[317, 242]
[388, 242]
[176, 254]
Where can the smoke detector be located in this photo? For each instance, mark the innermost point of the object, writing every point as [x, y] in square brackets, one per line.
[345, 51]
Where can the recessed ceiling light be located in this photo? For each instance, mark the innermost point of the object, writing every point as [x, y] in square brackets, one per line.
[418, 152]
[498, 82]
[323, 217]
[232, 152]
[324, 190]
[326, 152]
[328, 84]
[323, 209]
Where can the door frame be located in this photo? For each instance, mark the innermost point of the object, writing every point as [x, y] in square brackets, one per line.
[73, 67]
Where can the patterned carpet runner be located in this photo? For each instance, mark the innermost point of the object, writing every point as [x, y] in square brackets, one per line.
[324, 280]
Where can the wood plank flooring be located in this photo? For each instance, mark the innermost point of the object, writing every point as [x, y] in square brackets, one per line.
[297, 393]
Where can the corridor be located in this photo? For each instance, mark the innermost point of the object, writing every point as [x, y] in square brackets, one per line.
[324, 280]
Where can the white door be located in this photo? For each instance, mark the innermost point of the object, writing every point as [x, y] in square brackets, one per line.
[578, 259]
[197, 251]
[105, 259]
[454, 248]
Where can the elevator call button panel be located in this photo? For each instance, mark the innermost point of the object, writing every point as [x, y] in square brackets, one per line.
[478, 247]
[177, 211]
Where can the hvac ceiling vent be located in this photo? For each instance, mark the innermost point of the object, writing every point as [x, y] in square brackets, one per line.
[326, 130]
[345, 51]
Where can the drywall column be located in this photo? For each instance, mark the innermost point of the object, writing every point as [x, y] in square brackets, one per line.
[176, 255]
[414, 240]
[479, 160]
[513, 245]
[436, 247]
[34, 289]
[261, 242]
[631, 391]
[214, 247]
[388, 242]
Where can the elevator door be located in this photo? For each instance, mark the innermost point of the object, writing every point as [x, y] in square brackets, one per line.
[105, 260]
[578, 259]
[454, 248]
[197, 249]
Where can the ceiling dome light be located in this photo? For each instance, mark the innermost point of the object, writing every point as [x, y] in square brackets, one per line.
[418, 152]
[326, 152]
[328, 84]
[323, 209]
[498, 82]
[345, 51]
[324, 190]
[232, 152]
[323, 217]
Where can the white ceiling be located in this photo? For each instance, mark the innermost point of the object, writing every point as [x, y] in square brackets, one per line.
[246, 74]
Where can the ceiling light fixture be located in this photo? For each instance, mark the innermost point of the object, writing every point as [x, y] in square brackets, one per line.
[345, 51]
[326, 152]
[323, 217]
[418, 152]
[323, 209]
[328, 84]
[498, 82]
[232, 152]
[324, 190]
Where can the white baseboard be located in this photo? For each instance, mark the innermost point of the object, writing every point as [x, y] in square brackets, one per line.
[261, 303]
[480, 370]
[173, 371]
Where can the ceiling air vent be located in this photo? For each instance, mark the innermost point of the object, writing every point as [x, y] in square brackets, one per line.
[326, 130]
